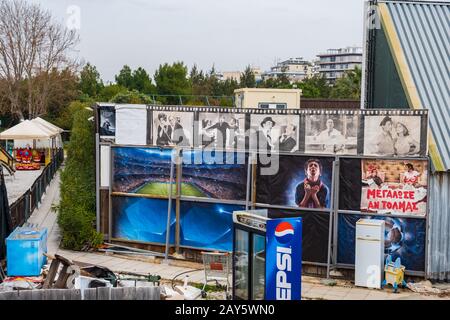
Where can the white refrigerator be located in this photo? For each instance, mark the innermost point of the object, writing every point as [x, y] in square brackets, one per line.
[369, 253]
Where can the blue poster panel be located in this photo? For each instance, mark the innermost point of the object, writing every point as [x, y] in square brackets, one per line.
[143, 171]
[404, 239]
[214, 174]
[295, 181]
[284, 259]
[207, 225]
[142, 219]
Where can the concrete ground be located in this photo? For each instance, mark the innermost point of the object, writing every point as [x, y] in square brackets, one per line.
[21, 181]
[312, 288]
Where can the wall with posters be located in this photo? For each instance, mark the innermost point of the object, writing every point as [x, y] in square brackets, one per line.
[376, 157]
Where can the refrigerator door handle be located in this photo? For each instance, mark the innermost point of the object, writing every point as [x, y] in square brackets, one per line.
[369, 239]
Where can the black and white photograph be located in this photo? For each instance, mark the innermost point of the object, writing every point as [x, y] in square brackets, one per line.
[173, 128]
[274, 133]
[107, 121]
[221, 130]
[388, 135]
[331, 133]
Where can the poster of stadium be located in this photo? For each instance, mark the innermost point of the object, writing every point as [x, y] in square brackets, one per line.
[143, 171]
[404, 238]
[394, 187]
[214, 174]
[396, 133]
[298, 182]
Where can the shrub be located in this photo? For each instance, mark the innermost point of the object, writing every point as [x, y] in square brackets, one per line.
[76, 211]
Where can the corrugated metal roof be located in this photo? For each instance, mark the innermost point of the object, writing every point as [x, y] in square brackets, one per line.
[423, 31]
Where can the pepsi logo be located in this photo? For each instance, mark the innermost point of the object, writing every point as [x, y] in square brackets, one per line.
[284, 232]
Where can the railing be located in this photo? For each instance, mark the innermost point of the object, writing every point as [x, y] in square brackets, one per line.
[23, 207]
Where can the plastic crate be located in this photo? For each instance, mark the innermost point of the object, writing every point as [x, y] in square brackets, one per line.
[25, 248]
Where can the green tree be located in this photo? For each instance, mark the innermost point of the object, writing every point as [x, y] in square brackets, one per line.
[172, 80]
[349, 86]
[109, 91]
[90, 81]
[248, 78]
[142, 82]
[131, 97]
[76, 211]
[315, 87]
[125, 77]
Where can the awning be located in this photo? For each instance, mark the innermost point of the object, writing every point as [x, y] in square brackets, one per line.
[48, 125]
[27, 130]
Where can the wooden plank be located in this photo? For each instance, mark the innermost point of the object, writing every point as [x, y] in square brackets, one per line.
[75, 294]
[38, 294]
[117, 293]
[52, 294]
[90, 294]
[155, 293]
[147, 293]
[129, 293]
[25, 294]
[10, 295]
[54, 266]
[104, 293]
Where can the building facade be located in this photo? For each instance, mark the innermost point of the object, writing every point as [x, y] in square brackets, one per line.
[335, 62]
[263, 98]
[295, 69]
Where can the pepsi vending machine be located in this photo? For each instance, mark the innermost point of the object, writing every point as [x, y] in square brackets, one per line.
[266, 257]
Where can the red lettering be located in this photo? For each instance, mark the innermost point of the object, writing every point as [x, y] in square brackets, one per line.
[371, 193]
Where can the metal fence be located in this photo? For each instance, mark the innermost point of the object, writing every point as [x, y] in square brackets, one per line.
[23, 207]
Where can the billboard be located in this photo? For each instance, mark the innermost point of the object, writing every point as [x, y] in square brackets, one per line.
[396, 134]
[107, 125]
[300, 182]
[207, 226]
[331, 133]
[284, 259]
[214, 175]
[274, 133]
[173, 128]
[141, 219]
[404, 239]
[219, 130]
[143, 171]
[394, 187]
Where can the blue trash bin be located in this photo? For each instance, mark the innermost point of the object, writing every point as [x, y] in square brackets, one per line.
[25, 248]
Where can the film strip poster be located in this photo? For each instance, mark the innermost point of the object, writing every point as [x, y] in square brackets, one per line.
[331, 133]
[295, 181]
[173, 128]
[394, 187]
[274, 132]
[399, 133]
[219, 130]
[107, 122]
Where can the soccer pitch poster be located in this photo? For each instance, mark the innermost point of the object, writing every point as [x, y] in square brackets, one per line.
[207, 225]
[141, 219]
[214, 174]
[143, 171]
